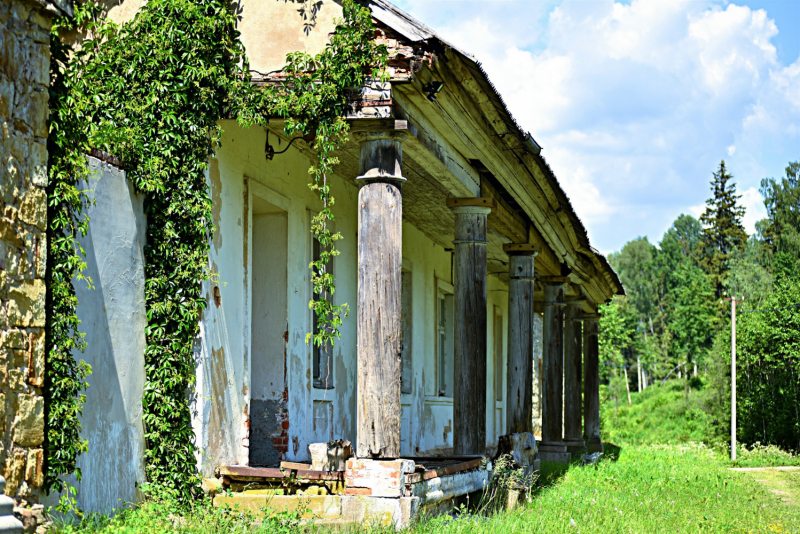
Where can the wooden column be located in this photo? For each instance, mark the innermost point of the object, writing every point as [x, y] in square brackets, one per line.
[553, 386]
[469, 387]
[573, 370]
[591, 388]
[380, 216]
[519, 398]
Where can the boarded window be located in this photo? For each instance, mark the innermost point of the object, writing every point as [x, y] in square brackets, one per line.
[444, 343]
[322, 359]
[407, 325]
[497, 336]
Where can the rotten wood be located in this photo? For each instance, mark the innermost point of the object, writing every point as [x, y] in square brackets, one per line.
[256, 474]
[591, 392]
[552, 387]
[519, 377]
[573, 369]
[380, 216]
[469, 392]
[430, 474]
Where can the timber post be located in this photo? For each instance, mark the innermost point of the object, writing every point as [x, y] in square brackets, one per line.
[380, 253]
[519, 412]
[469, 365]
[553, 448]
[573, 369]
[591, 389]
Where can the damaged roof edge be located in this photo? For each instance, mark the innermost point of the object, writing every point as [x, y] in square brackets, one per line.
[414, 30]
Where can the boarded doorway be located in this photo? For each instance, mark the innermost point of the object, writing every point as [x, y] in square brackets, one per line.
[269, 325]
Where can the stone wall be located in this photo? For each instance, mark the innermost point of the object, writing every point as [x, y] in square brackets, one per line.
[24, 79]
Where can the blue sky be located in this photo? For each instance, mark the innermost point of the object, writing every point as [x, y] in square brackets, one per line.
[636, 102]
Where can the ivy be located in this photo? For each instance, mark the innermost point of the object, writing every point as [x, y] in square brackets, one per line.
[151, 92]
[65, 377]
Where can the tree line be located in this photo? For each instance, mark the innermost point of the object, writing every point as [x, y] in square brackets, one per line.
[674, 322]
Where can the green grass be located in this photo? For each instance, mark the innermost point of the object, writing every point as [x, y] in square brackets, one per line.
[651, 488]
[659, 415]
[662, 414]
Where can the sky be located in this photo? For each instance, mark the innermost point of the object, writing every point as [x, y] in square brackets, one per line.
[637, 102]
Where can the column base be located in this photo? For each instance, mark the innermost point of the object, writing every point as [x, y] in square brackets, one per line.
[554, 451]
[576, 447]
[594, 444]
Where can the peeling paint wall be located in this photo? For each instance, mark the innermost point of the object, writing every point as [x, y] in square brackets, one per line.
[113, 317]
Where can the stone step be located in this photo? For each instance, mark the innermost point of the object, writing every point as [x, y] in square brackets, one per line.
[6, 505]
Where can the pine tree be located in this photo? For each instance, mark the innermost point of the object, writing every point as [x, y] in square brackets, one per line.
[723, 231]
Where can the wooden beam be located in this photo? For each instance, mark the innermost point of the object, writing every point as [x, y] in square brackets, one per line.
[504, 219]
[522, 248]
[428, 148]
[471, 202]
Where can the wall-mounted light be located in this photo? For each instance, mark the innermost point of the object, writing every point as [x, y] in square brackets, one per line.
[433, 89]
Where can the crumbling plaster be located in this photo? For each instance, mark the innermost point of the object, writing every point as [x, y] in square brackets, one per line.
[112, 314]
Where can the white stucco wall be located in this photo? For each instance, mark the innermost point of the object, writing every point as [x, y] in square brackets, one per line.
[262, 211]
[113, 317]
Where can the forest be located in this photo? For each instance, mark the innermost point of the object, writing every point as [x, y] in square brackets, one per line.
[675, 322]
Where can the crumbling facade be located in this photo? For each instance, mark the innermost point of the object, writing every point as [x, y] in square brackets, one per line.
[461, 258]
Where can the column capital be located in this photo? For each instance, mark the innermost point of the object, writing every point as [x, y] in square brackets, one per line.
[522, 249]
[380, 156]
[471, 205]
[554, 280]
[394, 135]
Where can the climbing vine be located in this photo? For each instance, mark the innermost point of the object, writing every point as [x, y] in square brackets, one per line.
[151, 93]
[65, 377]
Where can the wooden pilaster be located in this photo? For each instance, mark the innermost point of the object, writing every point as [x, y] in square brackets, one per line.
[380, 216]
[469, 388]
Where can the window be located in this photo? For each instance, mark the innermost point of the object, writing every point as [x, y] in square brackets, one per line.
[497, 336]
[322, 357]
[407, 322]
[444, 343]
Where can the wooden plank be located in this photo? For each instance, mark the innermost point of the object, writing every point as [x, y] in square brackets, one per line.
[380, 255]
[377, 125]
[255, 474]
[522, 248]
[296, 466]
[472, 202]
[430, 474]
[440, 158]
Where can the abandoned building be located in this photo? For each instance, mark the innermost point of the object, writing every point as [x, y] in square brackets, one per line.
[462, 257]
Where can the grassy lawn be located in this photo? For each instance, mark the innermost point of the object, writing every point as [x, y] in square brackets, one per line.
[651, 488]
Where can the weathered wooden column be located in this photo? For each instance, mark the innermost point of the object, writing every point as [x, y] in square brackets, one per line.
[469, 387]
[519, 412]
[380, 216]
[553, 448]
[591, 388]
[573, 369]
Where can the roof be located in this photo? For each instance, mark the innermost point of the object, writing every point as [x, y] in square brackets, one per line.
[415, 31]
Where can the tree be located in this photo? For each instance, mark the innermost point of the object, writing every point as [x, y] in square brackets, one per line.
[723, 231]
[781, 230]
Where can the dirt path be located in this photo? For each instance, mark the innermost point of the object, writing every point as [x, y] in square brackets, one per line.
[784, 482]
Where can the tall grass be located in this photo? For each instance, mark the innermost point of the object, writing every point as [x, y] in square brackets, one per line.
[650, 489]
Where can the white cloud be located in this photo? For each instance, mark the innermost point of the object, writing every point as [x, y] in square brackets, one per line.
[754, 204]
[636, 104]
